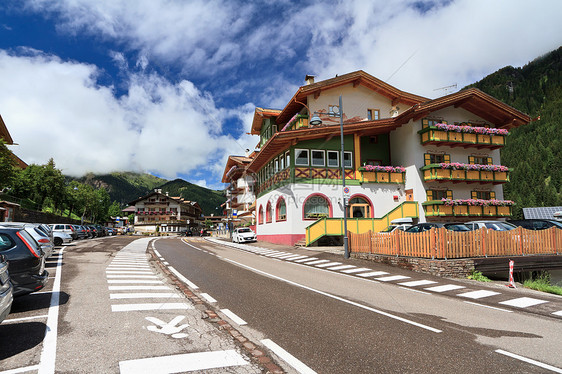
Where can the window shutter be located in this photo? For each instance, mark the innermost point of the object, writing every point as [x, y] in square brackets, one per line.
[425, 123]
[449, 194]
[427, 158]
[489, 161]
[429, 195]
[473, 195]
[447, 159]
[492, 195]
[471, 159]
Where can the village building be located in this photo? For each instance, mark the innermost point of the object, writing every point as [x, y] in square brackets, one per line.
[239, 207]
[158, 212]
[402, 155]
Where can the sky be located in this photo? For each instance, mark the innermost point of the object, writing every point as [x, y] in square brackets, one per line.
[169, 87]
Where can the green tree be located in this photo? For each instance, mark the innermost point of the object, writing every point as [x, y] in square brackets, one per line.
[8, 168]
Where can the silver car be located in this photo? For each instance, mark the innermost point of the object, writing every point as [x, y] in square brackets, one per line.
[494, 225]
[243, 235]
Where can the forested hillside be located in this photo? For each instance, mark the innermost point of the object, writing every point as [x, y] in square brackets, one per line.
[207, 199]
[535, 150]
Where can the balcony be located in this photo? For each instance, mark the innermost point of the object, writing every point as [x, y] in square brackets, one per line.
[463, 136]
[465, 173]
[468, 208]
[382, 174]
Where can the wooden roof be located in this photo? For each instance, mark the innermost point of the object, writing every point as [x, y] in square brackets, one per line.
[259, 115]
[232, 161]
[4, 133]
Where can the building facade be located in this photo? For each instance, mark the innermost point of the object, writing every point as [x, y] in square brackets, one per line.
[239, 207]
[159, 213]
[403, 156]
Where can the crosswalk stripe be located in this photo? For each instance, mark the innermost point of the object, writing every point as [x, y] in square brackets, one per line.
[444, 288]
[478, 294]
[417, 283]
[340, 267]
[137, 288]
[523, 302]
[145, 295]
[316, 262]
[150, 306]
[351, 271]
[307, 259]
[392, 278]
[297, 258]
[372, 274]
[328, 264]
[559, 313]
[139, 281]
[133, 276]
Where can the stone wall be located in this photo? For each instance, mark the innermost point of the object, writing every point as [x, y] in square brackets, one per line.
[32, 216]
[458, 268]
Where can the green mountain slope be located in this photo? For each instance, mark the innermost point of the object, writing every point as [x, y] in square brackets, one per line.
[535, 150]
[208, 200]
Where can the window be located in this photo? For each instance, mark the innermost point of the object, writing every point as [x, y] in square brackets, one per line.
[373, 162]
[281, 210]
[333, 159]
[260, 216]
[347, 159]
[318, 158]
[436, 158]
[288, 158]
[439, 194]
[480, 160]
[426, 122]
[483, 195]
[373, 114]
[281, 162]
[268, 212]
[301, 157]
[316, 207]
[277, 165]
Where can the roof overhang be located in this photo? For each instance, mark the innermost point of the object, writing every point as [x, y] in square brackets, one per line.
[259, 115]
[234, 161]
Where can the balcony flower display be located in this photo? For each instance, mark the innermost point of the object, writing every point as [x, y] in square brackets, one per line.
[471, 129]
[388, 169]
[459, 166]
[477, 202]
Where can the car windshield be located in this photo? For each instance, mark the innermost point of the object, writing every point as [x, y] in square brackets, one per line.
[457, 227]
[499, 226]
[244, 230]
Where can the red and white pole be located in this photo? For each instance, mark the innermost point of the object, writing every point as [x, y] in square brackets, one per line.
[511, 282]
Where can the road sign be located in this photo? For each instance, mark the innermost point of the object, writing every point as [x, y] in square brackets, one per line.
[346, 193]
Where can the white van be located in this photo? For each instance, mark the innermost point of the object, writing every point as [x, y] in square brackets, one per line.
[399, 224]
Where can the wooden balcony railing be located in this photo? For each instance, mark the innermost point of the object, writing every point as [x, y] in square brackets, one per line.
[435, 173]
[367, 176]
[438, 208]
[434, 136]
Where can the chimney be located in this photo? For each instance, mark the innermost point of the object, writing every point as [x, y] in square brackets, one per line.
[309, 79]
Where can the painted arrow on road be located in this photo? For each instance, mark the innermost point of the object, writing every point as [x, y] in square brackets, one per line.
[169, 328]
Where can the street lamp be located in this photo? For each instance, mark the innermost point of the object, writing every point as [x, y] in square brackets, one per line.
[315, 120]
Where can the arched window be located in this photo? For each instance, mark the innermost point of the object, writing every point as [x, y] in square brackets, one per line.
[281, 210]
[260, 216]
[268, 212]
[359, 207]
[315, 207]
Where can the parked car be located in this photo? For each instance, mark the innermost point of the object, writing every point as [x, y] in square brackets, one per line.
[243, 235]
[453, 226]
[45, 242]
[65, 228]
[494, 225]
[536, 224]
[110, 231]
[399, 224]
[6, 289]
[60, 238]
[26, 261]
[80, 231]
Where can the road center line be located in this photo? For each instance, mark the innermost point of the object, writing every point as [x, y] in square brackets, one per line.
[530, 361]
[287, 357]
[336, 297]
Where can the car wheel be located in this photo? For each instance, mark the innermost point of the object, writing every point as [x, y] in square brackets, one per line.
[57, 241]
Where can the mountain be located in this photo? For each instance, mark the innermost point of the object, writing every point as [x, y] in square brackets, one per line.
[534, 151]
[124, 187]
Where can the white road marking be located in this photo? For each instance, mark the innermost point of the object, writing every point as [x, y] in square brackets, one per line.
[114, 281]
[49, 351]
[328, 264]
[157, 253]
[357, 270]
[446, 287]
[131, 276]
[316, 262]
[21, 370]
[138, 272]
[417, 283]
[297, 258]
[14, 320]
[282, 254]
[233, 317]
[372, 274]
[523, 302]
[307, 259]
[414, 290]
[392, 278]
[284, 257]
[337, 297]
[183, 279]
[342, 267]
[529, 361]
[287, 357]
[183, 362]
[149, 306]
[145, 295]
[559, 313]
[489, 307]
[208, 297]
[478, 294]
[138, 288]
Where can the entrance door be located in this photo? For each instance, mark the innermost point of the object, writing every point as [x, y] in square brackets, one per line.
[359, 208]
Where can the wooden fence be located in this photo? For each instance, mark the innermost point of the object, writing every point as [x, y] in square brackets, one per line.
[444, 244]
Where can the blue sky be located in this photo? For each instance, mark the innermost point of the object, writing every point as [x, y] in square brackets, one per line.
[169, 87]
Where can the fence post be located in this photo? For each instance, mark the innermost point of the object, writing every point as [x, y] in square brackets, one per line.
[520, 228]
[483, 239]
[370, 241]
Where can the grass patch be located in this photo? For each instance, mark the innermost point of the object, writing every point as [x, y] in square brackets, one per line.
[542, 283]
[478, 276]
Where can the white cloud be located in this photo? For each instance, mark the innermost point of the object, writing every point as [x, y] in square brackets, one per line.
[55, 109]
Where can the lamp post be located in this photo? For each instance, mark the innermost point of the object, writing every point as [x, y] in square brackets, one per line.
[315, 120]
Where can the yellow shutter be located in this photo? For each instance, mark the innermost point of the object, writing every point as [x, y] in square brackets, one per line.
[492, 195]
[425, 123]
[449, 194]
[471, 159]
[473, 195]
[429, 195]
[489, 161]
[447, 159]
[427, 158]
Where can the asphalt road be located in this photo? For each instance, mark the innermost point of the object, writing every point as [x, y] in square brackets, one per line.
[341, 323]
